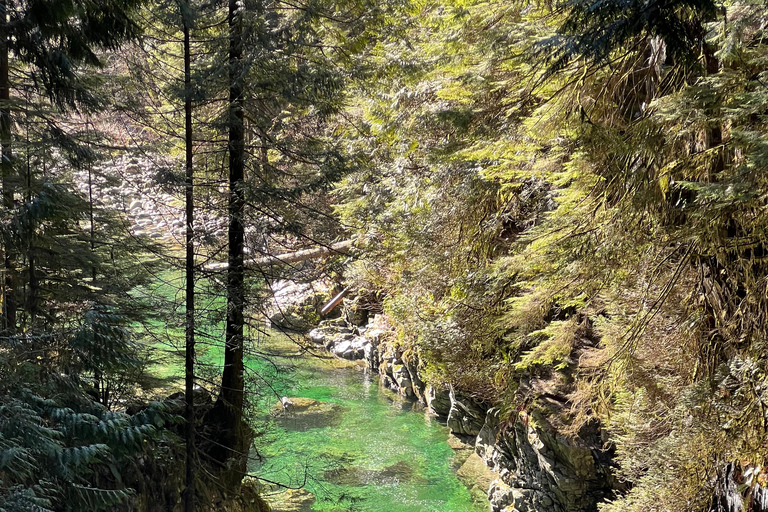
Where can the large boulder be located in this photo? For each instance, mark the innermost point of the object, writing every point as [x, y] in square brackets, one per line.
[343, 349]
[296, 306]
[476, 476]
[355, 313]
[290, 319]
[317, 336]
[502, 497]
[358, 345]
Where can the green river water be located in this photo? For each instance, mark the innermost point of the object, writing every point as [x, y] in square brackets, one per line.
[357, 448]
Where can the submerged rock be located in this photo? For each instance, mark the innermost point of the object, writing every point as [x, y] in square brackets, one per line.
[396, 473]
[307, 413]
[461, 451]
[293, 500]
[478, 478]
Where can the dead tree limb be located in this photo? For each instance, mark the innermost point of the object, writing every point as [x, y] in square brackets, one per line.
[290, 257]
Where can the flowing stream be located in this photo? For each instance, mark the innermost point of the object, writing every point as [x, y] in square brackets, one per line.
[351, 445]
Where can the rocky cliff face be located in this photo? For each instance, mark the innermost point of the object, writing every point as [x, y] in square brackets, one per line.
[540, 469]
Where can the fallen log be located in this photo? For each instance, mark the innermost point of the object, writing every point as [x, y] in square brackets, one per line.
[334, 301]
[290, 257]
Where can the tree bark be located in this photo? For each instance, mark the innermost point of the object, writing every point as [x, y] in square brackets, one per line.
[9, 264]
[189, 208]
[228, 410]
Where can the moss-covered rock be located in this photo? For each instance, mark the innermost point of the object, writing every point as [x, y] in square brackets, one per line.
[307, 413]
[398, 472]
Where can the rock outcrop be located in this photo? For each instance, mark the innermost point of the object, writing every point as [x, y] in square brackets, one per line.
[540, 469]
[296, 307]
[349, 341]
[439, 400]
[465, 417]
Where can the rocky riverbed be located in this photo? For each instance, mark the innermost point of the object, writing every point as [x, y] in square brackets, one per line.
[148, 192]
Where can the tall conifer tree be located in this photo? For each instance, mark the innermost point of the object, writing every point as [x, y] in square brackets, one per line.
[189, 278]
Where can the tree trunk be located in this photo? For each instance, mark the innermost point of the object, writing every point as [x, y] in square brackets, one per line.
[9, 265]
[228, 411]
[291, 257]
[34, 284]
[189, 358]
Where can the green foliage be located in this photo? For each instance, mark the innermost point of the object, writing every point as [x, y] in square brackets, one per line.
[563, 197]
[575, 200]
[69, 359]
[64, 451]
[598, 31]
[429, 205]
[56, 38]
[552, 347]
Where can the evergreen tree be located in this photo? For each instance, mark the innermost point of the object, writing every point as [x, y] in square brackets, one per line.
[282, 90]
[228, 413]
[69, 355]
[189, 270]
[47, 43]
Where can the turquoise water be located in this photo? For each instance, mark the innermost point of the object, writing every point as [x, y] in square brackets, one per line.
[357, 447]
